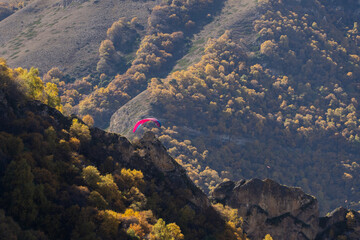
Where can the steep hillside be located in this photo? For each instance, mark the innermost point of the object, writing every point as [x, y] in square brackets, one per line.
[61, 179]
[64, 33]
[274, 96]
[170, 26]
[126, 117]
[235, 15]
[284, 107]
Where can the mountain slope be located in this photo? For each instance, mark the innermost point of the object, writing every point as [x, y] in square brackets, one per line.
[235, 15]
[293, 94]
[276, 95]
[61, 179]
[64, 34]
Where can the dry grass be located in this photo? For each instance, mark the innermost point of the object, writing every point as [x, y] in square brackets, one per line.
[236, 15]
[67, 33]
[46, 34]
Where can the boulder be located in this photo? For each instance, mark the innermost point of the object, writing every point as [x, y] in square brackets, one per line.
[340, 224]
[270, 208]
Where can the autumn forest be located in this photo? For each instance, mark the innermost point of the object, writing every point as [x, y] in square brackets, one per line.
[243, 89]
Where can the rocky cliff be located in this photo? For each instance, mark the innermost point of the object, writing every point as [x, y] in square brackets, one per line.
[340, 224]
[268, 207]
[124, 119]
[151, 157]
[284, 212]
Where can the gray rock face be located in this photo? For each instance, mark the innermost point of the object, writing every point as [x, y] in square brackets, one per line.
[157, 153]
[270, 208]
[152, 151]
[340, 224]
[152, 158]
[223, 191]
[124, 119]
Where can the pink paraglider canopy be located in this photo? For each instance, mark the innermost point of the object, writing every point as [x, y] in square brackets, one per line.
[139, 123]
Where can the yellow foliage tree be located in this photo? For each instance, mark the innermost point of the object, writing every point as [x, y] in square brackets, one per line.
[268, 237]
[268, 48]
[80, 131]
[88, 120]
[161, 231]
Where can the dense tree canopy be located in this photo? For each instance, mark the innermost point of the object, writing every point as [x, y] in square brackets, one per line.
[294, 98]
[60, 180]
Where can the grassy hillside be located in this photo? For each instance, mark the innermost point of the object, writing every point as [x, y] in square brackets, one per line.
[64, 34]
[235, 15]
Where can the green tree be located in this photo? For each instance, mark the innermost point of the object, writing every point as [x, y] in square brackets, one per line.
[52, 96]
[110, 223]
[97, 200]
[19, 191]
[10, 144]
[108, 188]
[31, 83]
[80, 131]
[85, 227]
[110, 61]
[91, 176]
[122, 35]
[161, 231]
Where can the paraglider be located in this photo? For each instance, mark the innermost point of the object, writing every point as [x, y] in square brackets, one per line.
[139, 123]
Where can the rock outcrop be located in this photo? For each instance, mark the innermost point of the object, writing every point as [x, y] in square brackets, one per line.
[124, 119]
[340, 224]
[270, 208]
[152, 158]
[156, 154]
[285, 212]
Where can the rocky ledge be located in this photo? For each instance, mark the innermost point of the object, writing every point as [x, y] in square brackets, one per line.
[284, 212]
[270, 208]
